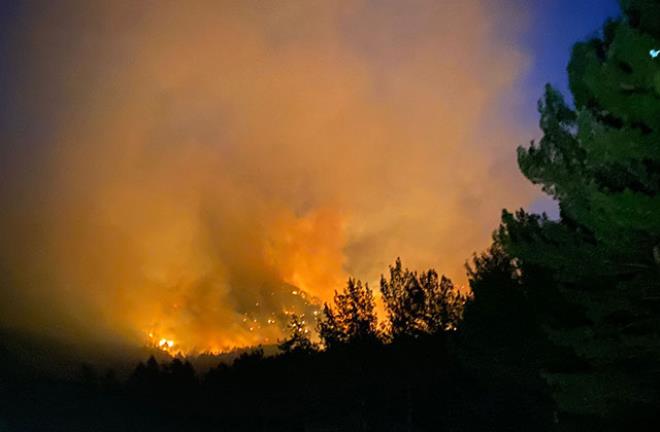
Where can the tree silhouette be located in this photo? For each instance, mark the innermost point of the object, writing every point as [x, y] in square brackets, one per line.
[420, 304]
[147, 374]
[328, 327]
[298, 339]
[501, 341]
[404, 301]
[353, 318]
[179, 376]
[444, 303]
[249, 359]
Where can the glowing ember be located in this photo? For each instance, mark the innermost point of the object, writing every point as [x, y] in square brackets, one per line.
[254, 325]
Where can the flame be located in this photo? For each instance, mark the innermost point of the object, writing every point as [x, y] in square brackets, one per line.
[165, 343]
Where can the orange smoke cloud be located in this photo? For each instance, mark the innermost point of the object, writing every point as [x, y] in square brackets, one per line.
[197, 162]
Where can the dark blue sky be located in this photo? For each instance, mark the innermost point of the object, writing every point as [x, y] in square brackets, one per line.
[556, 25]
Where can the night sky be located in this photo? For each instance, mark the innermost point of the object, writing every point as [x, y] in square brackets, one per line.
[557, 25]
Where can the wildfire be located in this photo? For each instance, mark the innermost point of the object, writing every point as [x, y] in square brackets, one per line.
[253, 326]
[164, 344]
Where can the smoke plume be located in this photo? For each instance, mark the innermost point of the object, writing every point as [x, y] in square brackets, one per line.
[187, 171]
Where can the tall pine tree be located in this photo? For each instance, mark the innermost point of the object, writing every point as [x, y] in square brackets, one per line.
[601, 160]
[420, 304]
[352, 320]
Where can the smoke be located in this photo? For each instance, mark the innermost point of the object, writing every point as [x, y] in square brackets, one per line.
[190, 170]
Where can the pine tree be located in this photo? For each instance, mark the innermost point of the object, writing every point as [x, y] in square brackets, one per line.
[329, 331]
[298, 340]
[420, 304]
[443, 307]
[601, 161]
[404, 301]
[500, 341]
[353, 318]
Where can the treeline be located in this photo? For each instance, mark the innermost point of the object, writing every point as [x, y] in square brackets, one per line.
[416, 370]
[416, 306]
[429, 365]
[361, 375]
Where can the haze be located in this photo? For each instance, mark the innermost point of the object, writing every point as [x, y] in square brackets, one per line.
[187, 169]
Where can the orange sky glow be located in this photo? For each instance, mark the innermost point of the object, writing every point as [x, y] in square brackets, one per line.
[205, 168]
